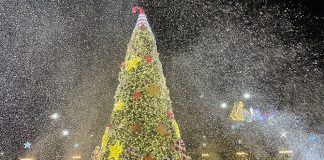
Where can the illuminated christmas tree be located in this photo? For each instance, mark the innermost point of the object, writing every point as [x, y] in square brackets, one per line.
[142, 123]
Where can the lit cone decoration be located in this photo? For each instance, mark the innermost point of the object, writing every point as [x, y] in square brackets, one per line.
[154, 89]
[143, 124]
[237, 113]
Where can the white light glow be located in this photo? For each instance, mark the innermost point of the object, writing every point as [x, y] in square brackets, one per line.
[285, 152]
[223, 105]
[241, 153]
[76, 157]
[65, 132]
[247, 95]
[205, 155]
[283, 134]
[55, 116]
[252, 111]
[76, 145]
[26, 159]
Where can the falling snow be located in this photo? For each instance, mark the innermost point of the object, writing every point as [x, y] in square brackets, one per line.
[60, 62]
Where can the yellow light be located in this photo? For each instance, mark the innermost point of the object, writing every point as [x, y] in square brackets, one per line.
[285, 152]
[26, 159]
[76, 157]
[205, 155]
[241, 153]
[237, 112]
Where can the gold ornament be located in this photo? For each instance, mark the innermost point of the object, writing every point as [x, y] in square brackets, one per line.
[163, 130]
[154, 89]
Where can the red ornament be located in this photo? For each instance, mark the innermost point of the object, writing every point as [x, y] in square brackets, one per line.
[170, 114]
[137, 94]
[148, 58]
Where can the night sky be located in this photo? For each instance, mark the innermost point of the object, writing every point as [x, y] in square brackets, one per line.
[63, 57]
